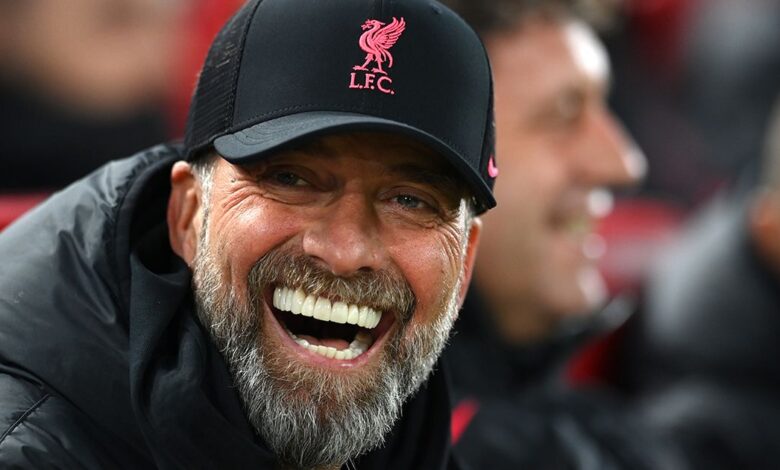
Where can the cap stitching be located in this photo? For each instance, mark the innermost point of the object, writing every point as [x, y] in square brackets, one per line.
[229, 114]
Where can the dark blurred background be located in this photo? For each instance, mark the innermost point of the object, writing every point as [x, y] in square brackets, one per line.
[694, 82]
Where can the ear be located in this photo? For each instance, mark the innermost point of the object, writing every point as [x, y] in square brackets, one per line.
[184, 214]
[471, 254]
[765, 226]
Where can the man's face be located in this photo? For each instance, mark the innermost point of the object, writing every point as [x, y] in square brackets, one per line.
[329, 276]
[557, 144]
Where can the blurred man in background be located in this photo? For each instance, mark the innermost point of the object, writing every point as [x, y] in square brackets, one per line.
[701, 358]
[536, 287]
[560, 148]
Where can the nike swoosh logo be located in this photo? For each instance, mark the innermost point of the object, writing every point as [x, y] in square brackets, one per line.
[492, 168]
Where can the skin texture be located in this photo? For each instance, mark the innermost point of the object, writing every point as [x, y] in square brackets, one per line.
[557, 142]
[349, 203]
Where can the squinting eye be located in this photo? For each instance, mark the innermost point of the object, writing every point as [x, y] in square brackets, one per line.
[569, 107]
[410, 202]
[287, 178]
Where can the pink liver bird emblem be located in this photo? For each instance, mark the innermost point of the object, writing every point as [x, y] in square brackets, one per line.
[377, 40]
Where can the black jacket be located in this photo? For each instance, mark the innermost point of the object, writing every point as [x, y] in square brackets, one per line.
[47, 146]
[701, 359]
[486, 366]
[104, 365]
[524, 414]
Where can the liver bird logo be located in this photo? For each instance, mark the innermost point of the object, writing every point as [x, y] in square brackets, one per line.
[377, 40]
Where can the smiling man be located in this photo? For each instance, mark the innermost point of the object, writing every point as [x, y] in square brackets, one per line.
[537, 292]
[338, 311]
[536, 280]
[275, 292]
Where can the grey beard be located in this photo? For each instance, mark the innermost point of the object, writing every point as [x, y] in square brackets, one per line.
[311, 417]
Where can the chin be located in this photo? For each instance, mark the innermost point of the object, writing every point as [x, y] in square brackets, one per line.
[579, 293]
[593, 288]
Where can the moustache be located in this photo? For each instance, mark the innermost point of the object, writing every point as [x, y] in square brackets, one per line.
[384, 290]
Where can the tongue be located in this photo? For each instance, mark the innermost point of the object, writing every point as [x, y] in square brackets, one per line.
[337, 343]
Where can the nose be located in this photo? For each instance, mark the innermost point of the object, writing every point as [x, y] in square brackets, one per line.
[610, 156]
[344, 237]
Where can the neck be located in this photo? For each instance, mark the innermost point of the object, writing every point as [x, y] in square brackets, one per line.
[521, 324]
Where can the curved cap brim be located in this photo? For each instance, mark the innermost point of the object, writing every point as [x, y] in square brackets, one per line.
[261, 140]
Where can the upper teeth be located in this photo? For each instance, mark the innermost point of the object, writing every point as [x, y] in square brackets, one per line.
[297, 302]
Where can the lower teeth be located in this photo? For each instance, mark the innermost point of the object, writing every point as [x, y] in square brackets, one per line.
[357, 347]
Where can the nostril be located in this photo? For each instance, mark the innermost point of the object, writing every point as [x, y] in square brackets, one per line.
[343, 259]
[343, 250]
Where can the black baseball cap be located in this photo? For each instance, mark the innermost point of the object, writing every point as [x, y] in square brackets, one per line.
[283, 70]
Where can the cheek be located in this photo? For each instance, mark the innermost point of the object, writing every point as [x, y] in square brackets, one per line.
[523, 192]
[432, 270]
[532, 173]
[563, 289]
[517, 195]
[242, 236]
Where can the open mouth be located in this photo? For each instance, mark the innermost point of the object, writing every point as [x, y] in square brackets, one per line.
[332, 329]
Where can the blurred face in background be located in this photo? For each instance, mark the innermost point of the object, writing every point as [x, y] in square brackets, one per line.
[558, 147]
[95, 56]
